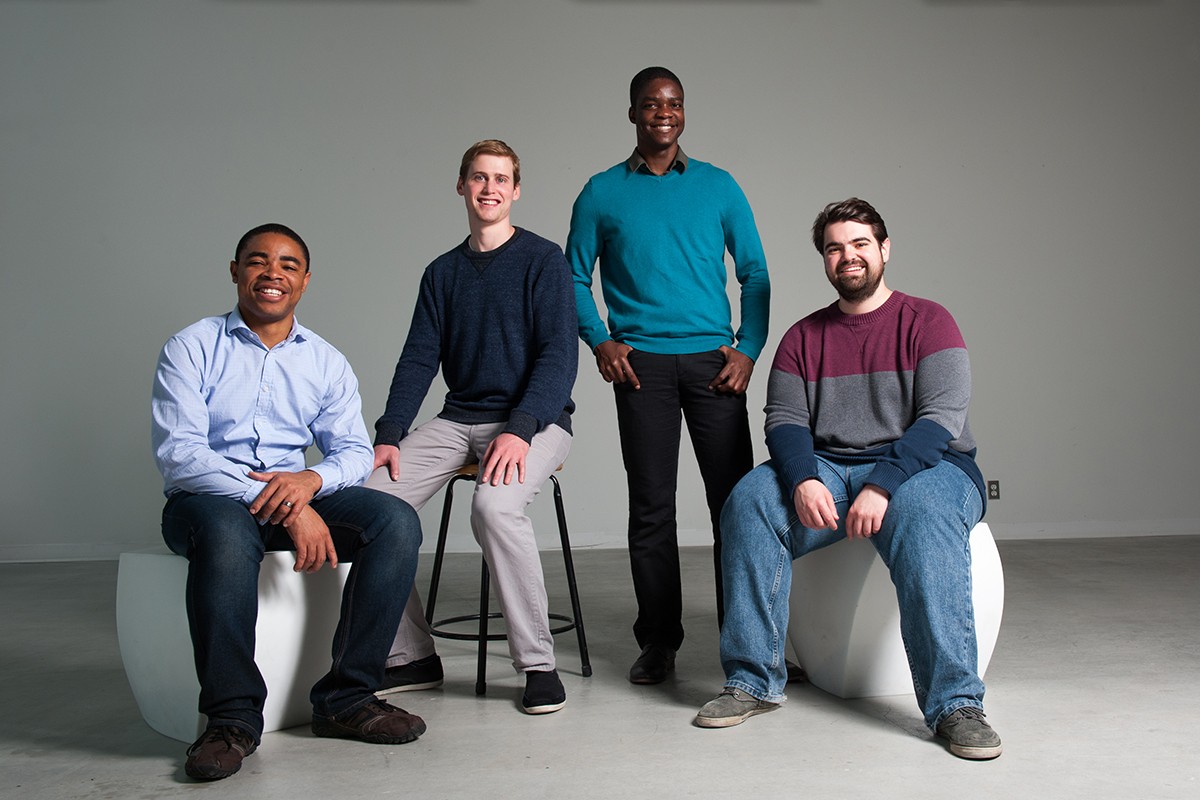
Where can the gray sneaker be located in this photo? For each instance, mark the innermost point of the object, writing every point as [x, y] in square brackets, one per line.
[969, 734]
[731, 707]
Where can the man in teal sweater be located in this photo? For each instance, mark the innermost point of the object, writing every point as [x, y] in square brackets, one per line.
[659, 225]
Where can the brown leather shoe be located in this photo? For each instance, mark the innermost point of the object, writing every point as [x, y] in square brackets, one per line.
[218, 753]
[377, 722]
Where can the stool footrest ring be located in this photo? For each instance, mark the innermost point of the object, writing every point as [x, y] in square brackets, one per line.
[437, 628]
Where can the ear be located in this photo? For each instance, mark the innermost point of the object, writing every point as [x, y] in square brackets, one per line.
[233, 270]
[886, 249]
[459, 188]
[631, 118]
[517, 192]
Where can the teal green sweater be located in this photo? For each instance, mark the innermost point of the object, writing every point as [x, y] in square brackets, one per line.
[661, 241]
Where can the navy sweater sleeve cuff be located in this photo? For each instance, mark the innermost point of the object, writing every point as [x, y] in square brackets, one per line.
[523, 425]
[388, 433]
[791, 449]
[888, 477]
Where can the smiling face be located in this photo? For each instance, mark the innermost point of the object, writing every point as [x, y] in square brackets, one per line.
[271, 274]
[657, 113]
[489, 189]
[854, 260]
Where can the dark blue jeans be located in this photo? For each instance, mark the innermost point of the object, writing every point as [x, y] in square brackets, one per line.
[675, 388]
[224, 546]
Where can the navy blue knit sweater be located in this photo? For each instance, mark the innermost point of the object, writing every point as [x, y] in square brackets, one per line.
[502, 326]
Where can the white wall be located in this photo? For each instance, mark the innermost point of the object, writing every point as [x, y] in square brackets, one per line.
[1035, 162]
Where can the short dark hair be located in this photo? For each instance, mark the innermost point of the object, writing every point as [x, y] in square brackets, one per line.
[490, 147]
[645, 76]
[850, 210]
[271, 227]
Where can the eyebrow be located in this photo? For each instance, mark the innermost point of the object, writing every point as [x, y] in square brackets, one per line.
[263, 254]
[855, 240]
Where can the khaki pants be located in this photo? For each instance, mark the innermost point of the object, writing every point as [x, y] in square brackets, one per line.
[429, 457]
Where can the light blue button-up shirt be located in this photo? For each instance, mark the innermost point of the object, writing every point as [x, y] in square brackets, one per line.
[224, 405]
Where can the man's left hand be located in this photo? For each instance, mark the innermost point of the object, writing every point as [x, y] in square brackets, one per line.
[504, 459]
[285, 495]
[314, 545]
[866, 512]
[734, 377]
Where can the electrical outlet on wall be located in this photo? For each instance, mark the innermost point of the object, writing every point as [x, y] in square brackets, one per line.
[993, 490]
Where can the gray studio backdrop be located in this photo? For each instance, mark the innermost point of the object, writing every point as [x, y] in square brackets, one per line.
[1036, 162]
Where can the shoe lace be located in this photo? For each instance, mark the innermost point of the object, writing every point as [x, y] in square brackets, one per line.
[226, 733]
[379, 706]
[970, 712]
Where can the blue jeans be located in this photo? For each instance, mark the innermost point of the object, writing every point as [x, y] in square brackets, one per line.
[224, 546]
[925, 543]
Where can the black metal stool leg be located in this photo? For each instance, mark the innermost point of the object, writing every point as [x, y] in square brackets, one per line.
[572, 588]
[484, 587]
[436, 578]
[484, 615]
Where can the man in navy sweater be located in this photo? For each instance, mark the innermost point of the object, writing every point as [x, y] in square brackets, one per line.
[659, 225]
[497, 314]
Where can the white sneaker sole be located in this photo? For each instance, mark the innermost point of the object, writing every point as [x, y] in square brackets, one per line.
[729, 722]
[976, 753]
[410, 687]
[546, 709]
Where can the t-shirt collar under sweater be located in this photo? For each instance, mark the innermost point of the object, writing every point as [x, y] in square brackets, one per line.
[636, 162]
[480, 261]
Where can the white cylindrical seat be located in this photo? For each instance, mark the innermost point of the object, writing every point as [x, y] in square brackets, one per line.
[845, 622]
[297, 616]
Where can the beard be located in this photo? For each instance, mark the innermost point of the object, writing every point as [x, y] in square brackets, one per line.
[859, 287]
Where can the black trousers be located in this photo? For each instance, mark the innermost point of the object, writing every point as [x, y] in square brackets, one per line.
[675, 386]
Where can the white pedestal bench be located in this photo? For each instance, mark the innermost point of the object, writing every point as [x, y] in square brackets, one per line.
[297, 615]
[845, 622]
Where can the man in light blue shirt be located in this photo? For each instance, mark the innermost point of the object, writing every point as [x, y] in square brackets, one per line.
[237, 400]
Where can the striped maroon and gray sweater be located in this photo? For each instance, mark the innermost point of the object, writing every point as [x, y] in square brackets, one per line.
[889, 387]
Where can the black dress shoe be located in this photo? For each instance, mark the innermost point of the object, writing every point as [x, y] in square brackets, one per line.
[653, 665]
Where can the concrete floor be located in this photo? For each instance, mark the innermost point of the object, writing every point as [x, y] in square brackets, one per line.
[1093, 688]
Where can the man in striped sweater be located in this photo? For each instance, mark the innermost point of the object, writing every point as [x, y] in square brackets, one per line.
[868, 435]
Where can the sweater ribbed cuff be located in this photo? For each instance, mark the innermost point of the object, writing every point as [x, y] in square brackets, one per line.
[386, 433]
[888, 477]
[523, 425]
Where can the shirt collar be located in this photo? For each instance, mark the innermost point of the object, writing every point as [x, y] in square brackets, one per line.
[235, 322]
[636, 162]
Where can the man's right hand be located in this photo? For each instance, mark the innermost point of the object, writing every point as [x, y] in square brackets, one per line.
[389, 455]
[612, 359]
[815, 506]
